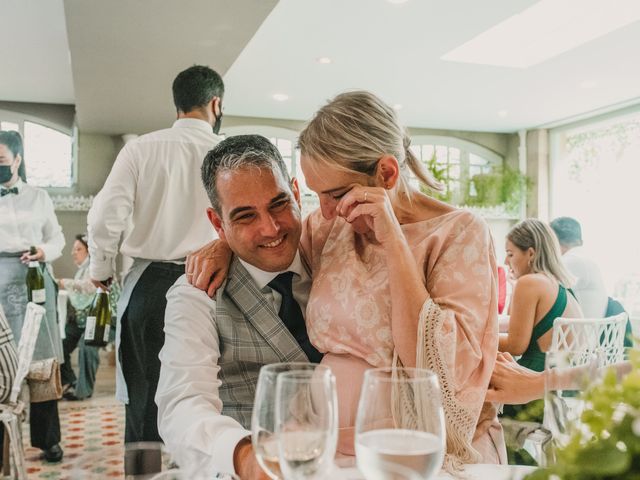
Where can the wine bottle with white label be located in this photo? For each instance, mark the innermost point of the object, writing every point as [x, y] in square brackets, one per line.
[35, 281]
[96, 333]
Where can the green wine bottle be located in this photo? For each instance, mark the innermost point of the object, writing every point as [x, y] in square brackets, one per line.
[96, 333]
[35, 281]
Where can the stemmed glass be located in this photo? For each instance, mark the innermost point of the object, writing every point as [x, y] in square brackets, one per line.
[400, 432]
[567, 373]
[263, 438]
[306, 423]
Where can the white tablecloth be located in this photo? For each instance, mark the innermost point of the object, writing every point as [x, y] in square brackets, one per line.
[473, 472]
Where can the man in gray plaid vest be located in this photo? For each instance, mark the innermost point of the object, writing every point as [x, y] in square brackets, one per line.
[215, 347]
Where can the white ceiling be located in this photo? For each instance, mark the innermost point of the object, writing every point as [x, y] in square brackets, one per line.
[126, 53]
[35, 64]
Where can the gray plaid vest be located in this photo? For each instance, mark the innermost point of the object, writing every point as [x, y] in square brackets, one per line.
[250, 335]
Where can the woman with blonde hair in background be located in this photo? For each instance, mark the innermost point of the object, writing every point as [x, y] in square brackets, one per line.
[540, 294]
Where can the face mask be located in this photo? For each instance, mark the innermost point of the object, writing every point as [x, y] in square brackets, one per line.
[216, 125]
[5, 173]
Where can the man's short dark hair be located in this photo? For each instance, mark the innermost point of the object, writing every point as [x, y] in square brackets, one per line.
[568, 231]
[235, 153]
[195, 87]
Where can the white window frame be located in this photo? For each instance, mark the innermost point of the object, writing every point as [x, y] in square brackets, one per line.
[465, 146]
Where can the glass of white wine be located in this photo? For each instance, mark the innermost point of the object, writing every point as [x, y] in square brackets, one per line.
[263, 437]
[306, 423]
[400, 432]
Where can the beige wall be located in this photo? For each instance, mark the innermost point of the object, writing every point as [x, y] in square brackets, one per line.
[61, 115]
[538, 172]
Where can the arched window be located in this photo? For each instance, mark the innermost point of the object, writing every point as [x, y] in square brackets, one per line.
[455, 163]
[48, 150]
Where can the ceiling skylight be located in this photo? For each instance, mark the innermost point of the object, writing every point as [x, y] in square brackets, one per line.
[545, 30]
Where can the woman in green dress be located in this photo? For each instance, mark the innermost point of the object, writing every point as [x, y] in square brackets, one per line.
[540, 294]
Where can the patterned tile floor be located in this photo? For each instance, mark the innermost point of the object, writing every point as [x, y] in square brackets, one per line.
[94, 425]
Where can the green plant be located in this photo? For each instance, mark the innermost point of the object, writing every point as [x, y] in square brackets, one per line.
[440, 174]
[503, 185]
[613, 451]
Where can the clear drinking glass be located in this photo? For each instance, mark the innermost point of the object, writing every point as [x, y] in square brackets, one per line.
[263, 439]
[400, 432]
[567, 374]
[306, 423]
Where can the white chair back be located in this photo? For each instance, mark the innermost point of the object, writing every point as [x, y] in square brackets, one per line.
[30, 329]
[602, 336]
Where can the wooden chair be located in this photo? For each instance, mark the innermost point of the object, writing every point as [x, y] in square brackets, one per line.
[12, 412]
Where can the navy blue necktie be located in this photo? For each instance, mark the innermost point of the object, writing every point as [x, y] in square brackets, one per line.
[8, 191]
[291, 315]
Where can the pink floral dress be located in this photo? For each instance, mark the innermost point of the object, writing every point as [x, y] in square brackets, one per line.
[349, 317]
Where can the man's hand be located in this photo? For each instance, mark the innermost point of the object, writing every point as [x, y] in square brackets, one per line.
[513, 384]
[245, 463]
[38, 257]
[207, 267]
[103, 284]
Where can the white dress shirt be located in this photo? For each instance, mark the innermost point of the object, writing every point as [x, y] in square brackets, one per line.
[189, 405]
[28, 218]
[589, 286]
[155, 184]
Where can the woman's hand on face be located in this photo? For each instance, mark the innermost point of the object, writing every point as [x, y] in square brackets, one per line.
[207, 267]
[372, 205]
[39, 256]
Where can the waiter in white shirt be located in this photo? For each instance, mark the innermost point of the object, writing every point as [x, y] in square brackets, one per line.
[589, 286]
[155, 185]
[27, 218]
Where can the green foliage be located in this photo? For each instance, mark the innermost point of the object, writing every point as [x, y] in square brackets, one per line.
[614, 420]
[502, 186]
[440, 174]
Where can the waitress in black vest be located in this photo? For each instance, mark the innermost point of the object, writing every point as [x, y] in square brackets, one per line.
[27, 218]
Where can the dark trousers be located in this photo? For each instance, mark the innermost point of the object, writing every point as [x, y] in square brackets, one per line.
[141, 339]
[88, 360]
[45, 425]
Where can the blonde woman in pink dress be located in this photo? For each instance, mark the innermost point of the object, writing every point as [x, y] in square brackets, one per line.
[399, 278]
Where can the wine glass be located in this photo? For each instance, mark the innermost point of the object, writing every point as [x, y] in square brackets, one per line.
[263, 436]
[400, 432]
[567, 373]
[306, 423]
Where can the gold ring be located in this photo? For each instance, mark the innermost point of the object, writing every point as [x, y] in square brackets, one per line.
[365, 196]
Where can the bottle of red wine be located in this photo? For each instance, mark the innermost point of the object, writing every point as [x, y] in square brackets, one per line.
[96, 333]
[35, 281]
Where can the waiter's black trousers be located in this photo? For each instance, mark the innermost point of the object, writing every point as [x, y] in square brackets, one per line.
[140, 343]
